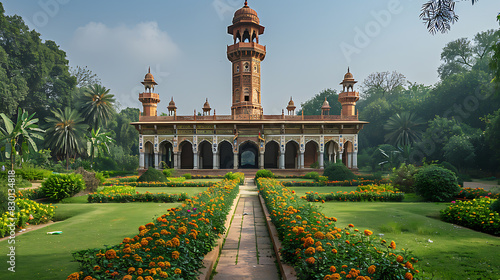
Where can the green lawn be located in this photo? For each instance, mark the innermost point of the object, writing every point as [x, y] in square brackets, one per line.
[445, 251]
[41, 256]
[202, 180]
[294, 179]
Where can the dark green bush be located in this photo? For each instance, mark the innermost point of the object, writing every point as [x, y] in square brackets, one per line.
[152, 175]
[403, 178]
[312, 175]
[449, 166]
[106, 164]
[495, 206]
[338, 172]
[435, 183]
[32, 173]
[60, 186]
[264, 173]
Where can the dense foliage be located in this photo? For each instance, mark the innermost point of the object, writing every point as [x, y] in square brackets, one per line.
[264, 173]
[173, 245]
[475, 214]
[28, 213]
[435, 183]
[152, 175]
[319, 250]
[338, 172]
[403, 177]
[60, 186]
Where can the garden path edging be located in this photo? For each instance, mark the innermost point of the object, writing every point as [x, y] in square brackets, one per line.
[287, 271]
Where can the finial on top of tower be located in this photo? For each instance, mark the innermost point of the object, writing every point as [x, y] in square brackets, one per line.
[348, 70]
[149, 69]
[246, 3]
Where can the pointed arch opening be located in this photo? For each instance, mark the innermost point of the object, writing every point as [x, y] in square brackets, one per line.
[271, 155]
[310, 154]
[249, 156]
[206, 155]
[226, 155]
[186, 149]
[166, 154]
[291, 149]
[149, 155]
[246, 37]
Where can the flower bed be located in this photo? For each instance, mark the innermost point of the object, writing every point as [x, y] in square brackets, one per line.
[474, 214]
[136, 197]
[28, 212]
[319, 250]
[360, 182]
[470, 193]
[172, 246]
[384, 193]
[30, 194]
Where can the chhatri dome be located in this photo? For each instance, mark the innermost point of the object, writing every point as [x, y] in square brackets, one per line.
[246, 14]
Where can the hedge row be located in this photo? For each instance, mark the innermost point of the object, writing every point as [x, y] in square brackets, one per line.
[136, 197]
[388, 196]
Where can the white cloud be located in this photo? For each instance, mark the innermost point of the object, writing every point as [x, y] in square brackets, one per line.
[120, 55]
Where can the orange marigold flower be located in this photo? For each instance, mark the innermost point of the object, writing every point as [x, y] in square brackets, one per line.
[73, 276]
[351, 225]
[368, 232]
[177, 271]
[126, 277]
[148, 278]
[319, 235]
[408, 276]
[344, 266]
[335, 276]
[327, 277]
[334, 251]
[333, 268]
[308, 242]
[127, 250]
[140, 278]
[310, 251]
[393, 245]
[110, 254]
[144, 242]
[131, 270]
[175, 255]
[176, 242]
[399, 259]
[371, 269]
[141, 228]
[408, 265]
[310, 260]
[97, 268]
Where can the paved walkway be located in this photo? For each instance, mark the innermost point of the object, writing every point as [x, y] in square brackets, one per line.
[248, 251]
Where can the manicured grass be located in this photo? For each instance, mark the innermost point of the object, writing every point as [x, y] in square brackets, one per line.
[445, 251]
[202, 180]
[301, 191]
[41, 256]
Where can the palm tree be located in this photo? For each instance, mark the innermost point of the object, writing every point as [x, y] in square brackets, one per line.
[65, 132]
[19, 135]
[97, 143]
[97, 105]
[403, 129]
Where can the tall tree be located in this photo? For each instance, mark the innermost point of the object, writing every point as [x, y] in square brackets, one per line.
[98, 143]
[313, 105]
[84, 77]
[383, 83]
[403, 129]
[19, 136]
[65, 133]
[97, 105]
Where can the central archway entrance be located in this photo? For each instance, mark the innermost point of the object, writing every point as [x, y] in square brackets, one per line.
[248, 156]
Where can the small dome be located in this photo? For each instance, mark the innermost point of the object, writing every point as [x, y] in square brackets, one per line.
[246, 14]
[326, 105]
[291, 103]
[171, 105]
[348, 75]
[206, 105]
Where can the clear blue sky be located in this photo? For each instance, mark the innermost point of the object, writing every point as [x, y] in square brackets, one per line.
[310, 44]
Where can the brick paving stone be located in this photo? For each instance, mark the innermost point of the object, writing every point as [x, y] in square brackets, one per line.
[252, 238]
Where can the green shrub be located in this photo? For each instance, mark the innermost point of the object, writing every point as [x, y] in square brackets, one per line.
[435, 183]
[235, 176]
[449, 166]
[403, 178]
[59, 186]
[106, 164]
[188, 176]
[315, 165]
[495, 206]
[32, 173]
[264, 173]
[312, 175]
[152, 175]
[338, 172]
[168, 172]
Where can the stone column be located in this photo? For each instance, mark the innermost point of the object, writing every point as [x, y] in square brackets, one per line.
[215, 161]
[340, 157]
[261, 161]
[235, 161]
[157, 160]
[282, 161]
[321, 160]
[301, 160]
[195, 160]
[141, 160]
[355, 160]
[175, 161]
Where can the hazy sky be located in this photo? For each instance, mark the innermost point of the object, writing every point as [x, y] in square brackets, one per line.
[310, 44]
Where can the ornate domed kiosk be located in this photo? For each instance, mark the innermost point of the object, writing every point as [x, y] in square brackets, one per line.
[247, 139]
